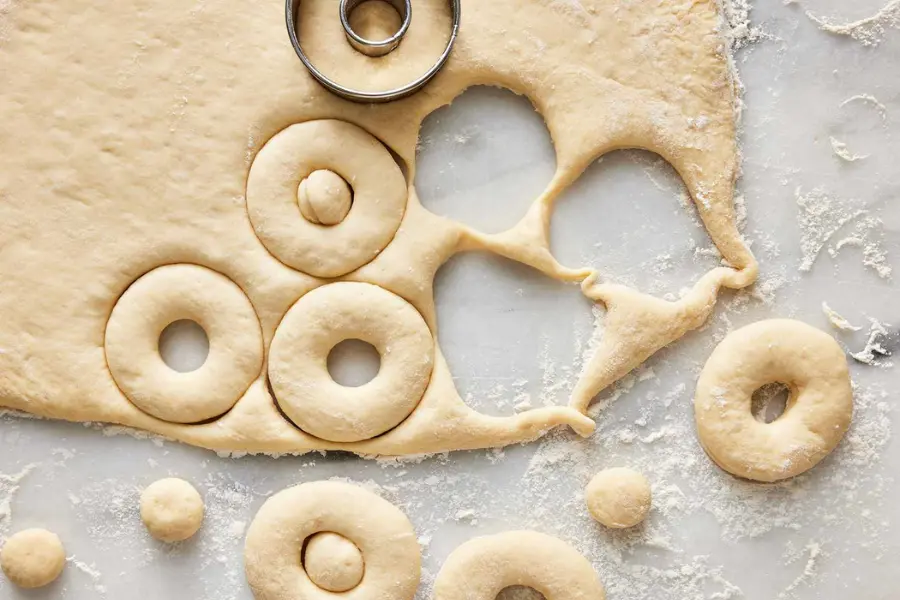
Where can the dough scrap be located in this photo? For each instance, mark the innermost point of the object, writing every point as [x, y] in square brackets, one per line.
[383, 534]
[618, 498]
[32, 558]
[817, 415]
[172, 509]
[333, 562]
[185, 144]
[481, 568]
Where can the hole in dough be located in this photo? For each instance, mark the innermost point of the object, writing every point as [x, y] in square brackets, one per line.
[375, 20]
[353, 363]
[769, 402]
[484, 159]
[619, 217]
[184, 346]
[529, 330]
[518, 592]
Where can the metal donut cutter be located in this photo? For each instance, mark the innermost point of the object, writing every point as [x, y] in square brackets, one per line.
[372, 48]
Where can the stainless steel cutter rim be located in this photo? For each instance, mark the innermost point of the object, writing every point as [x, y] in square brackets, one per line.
[372, 47]
[291, 7]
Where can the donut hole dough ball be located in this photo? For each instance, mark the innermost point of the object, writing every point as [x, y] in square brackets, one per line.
[172, 510]
[333, 562]
[324, 197]
[817, 413]
[618, 498]
[32, 558]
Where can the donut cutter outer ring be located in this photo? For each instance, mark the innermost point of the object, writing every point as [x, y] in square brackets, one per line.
[292, 8]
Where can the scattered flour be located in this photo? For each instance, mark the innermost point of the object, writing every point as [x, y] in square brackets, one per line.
[868, 99]
[841, 151]
[9, 485]
[837, 321]
[876, 352]
[869, 31]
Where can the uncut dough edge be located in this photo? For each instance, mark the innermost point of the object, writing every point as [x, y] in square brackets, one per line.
[119, 183]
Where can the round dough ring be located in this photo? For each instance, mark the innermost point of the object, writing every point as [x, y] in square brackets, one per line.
[158, 299]
[481, 568]
[815, 418]
[378, 528]
[326, 316]
[379, 197]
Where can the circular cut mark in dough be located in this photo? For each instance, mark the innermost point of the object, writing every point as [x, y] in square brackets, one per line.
[320, 320]
[32, 558]
[333, 562]
[481, 568]
[161, 297]
[171, 509]
[324, 197]
[618, 497]
[379, 197]
[818, 412]
[380, 531]
[353, 363]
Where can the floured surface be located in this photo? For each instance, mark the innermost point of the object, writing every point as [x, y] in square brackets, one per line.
[828, 536]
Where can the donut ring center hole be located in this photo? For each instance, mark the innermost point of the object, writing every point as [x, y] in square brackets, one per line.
[375, 20]
[184, 346]
[518, 592]
[353, 363]
[770, 401]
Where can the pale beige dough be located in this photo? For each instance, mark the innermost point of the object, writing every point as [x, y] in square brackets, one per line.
[318, 322]
[187, 139]
[618, 497]
[482, 567]
[382, 533]
[818, 411]
[155, 301]
[324, 197]
[379, 197]
[32, 558]
[333, 562]
[172, 509]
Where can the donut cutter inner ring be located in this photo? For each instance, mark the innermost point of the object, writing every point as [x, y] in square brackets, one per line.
[372, 48]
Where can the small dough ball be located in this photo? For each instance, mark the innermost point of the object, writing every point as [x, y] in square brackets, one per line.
[33, 558]
[324, 197]
[618, 497]
[333, 562]
[171, 509]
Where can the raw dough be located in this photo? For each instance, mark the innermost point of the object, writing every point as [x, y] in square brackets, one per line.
[324, 197]
[383, 534]
[155, 301]
[32, 558]
[333, 562]
[618, 497]
[171, 509]
[482, 567]
[813, 367]
[321, 320]
[186, 141]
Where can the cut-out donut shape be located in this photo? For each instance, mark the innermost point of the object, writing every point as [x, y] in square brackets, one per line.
[273, 553]
[818, 411]
[161, 297]
[346, 151]
[326, 316]
[481, 568]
